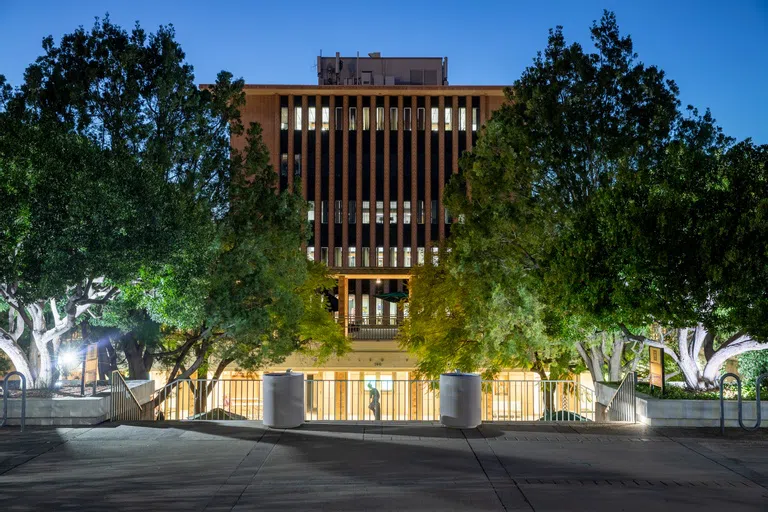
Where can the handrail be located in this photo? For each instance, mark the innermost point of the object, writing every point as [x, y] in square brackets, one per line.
[626, 392]
[23, 418]
[740, 405]
[118, 377]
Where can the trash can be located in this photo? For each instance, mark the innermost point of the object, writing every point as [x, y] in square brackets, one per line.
[460, 400]
[283, 400]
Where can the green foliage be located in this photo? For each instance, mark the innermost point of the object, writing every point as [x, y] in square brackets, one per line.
[730, 392]
[752, 365]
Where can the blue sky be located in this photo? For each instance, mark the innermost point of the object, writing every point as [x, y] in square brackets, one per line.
[717, 51]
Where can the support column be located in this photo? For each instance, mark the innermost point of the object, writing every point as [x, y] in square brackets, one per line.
[359, 192]
[455, 128]
[304, 145]
[414, 180]
[343, 285]
[291, 137]
[340, 396]
[441, 169]
[400, 184]
[372, 226]
[387, 184]
[318, 170]
[331, 180]
[427, 177]
[344, 184]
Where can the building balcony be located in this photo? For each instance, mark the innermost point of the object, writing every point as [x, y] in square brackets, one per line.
[371, 327]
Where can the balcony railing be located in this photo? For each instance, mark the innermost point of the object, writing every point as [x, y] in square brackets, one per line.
[371, 327]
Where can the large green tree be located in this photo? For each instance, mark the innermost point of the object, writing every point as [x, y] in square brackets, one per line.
[619, 212]
[112, 161]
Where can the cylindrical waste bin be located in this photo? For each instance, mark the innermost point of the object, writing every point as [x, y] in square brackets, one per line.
[283, 399]
[460, 400]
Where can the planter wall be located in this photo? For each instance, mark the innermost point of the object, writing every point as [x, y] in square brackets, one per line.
[657, 412]
[65, 412]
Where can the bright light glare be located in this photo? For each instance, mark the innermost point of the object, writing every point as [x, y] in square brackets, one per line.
[69, 359]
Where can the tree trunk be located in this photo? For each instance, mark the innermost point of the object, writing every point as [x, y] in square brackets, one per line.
[17, 357]
[107, 359]
[134, 356]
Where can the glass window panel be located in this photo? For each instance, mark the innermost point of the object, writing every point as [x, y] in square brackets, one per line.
[324, 255]
[326, 118]
[407, 118]
[393, 118]
[435, 118]
[393, 256]
[366, 256]
[462, 119]
[393, 212]
[311, 253]
[297, 118]
[475, 117]
[406, 212]
[406, 256]
[283, 118]
[352, 212]
[379, 212]
[352, 257]
[284, 164]
[448, 118]
[420, 256]
[311, 113]
[366, 118]
[324, 212]
[310, 211]
[420, 212]
[433, 213]
[337, 257]
[379, 118]
[352, 118]
[420, 119]
[338, 119]
[337, 213]
[379, 256]
[297, 164]
[366, 212]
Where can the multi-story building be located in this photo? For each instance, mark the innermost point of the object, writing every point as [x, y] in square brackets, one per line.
[371, 147]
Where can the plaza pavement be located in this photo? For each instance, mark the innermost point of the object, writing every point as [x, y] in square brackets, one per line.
[238, 466]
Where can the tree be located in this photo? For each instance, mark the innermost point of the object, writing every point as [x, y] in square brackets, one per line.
[111, 161]
[244, 294]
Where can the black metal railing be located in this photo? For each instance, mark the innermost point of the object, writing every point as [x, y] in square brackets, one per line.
[371, 327]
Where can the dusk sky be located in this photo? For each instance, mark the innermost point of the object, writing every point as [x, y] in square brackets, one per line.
[716, 51]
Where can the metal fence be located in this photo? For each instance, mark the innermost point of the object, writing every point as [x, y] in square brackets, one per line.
[375, 400]
[123, 404]
[537, 400]
[623, 406]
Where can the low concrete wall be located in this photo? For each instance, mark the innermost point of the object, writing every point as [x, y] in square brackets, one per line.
[74, 411]
[658, 412]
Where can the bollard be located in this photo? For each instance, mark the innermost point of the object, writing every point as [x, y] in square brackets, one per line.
[283, 400]
[460, 398]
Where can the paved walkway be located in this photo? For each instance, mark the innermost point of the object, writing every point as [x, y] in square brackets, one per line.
[241, 466]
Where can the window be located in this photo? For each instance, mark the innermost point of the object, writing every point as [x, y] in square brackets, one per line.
[297, 118]
[323, 212]
[310, 211]
[283, 118]
[462, 119]
[352, 212]
[448, 119]
[351, 306]
[435, 118]
[379, 118]
[326, 118]
[352, 257]
[435, 256]
[337, 257]
[311, 253]
[366, 118]
[366, 256]
[393, 256]
[420, 119]
[406, 212]
[338, 120]
[406, 256]
[379, 212]
[366, 212]
[297, 164]
[284, 164]
[420, 256]
[420, 212]
[379, 256]
[393, 118]
[365, 299]
[407, 118]
[337, 212]
[352, 118]
[393, 212]
[475, 117]
[448, 218]
[433, 213]
[312, 113]
[324, 255]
